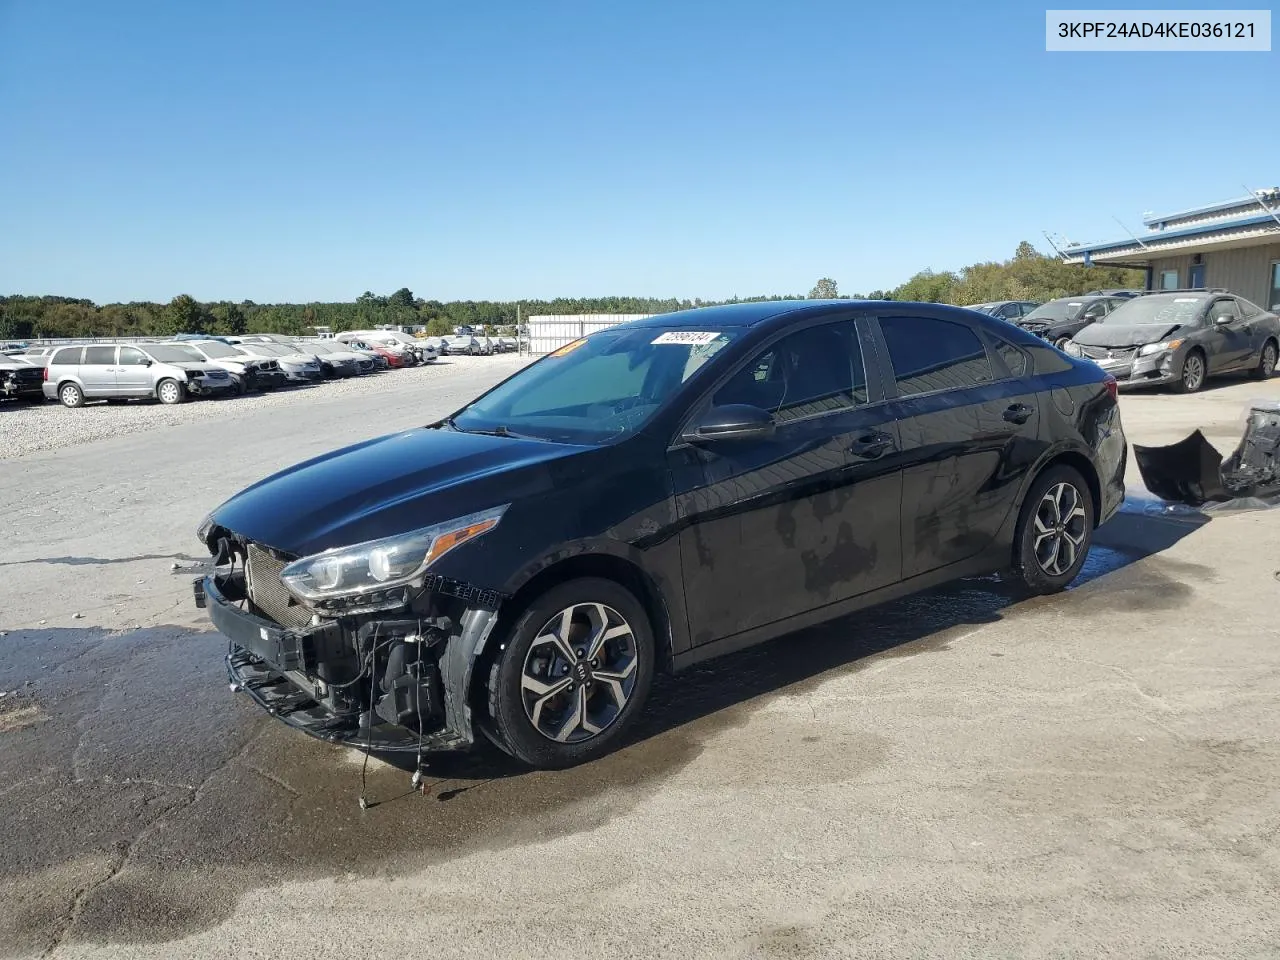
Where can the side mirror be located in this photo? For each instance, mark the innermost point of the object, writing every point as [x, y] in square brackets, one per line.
[735, 421]
[1222, 320]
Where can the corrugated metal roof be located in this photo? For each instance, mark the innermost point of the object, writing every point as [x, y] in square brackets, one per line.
[1263, 228]
[1163, 237]
[1270, 194]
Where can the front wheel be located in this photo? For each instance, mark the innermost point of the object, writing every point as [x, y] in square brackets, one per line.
[1054, 532]
[573, 674]
[1193, 373]
[1267, 361]
[170, 392]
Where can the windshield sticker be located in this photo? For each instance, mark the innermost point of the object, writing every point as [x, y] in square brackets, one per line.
[568, 348]
[688, 338]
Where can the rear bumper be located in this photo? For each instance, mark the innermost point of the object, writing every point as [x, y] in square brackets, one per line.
[22, 388]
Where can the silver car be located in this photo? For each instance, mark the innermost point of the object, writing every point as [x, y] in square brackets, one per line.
[107, 371]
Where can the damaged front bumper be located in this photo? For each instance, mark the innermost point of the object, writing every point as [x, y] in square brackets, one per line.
[1193, 471]
[390, 685]
[1133, 370]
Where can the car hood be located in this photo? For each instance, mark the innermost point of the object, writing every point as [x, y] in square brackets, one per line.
[1115, 335]
[194, 365]
[388, 485]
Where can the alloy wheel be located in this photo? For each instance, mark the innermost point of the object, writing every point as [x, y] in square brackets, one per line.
[1059, 529]
[579, 673]
[1268, 360]
[1192, 372]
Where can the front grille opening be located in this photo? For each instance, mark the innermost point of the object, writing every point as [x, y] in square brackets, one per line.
[267, 591]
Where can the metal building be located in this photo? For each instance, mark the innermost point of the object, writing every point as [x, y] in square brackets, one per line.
[1235, 244]
[549, 332]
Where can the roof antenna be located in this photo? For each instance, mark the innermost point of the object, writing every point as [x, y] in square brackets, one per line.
[1262, 203]
[1130, 233]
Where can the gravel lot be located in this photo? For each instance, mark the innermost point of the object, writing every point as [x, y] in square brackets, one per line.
[27, 428]
[955, 775]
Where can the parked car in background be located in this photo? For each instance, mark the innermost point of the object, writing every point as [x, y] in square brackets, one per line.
[21, 379]
[297, 367]
[470, 345]
[39, 356]
[248, 373]
[1059, 320]
[506, 344]
[439, 344]
[1182, 338]
[1011, 310]
[345, 360]
[410, 350]
[521, 569]
[169, 372]
[390, 358]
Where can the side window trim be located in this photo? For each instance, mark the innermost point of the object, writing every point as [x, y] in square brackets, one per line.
[876, 393]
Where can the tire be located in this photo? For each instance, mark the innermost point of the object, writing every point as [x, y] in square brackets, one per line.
[1194, 372]
[1267, 361]
[71, 395]
[1041, 564]
[1061, 342]
[534, 654]
[170, 391]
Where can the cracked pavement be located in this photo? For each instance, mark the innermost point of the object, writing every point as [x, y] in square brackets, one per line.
[958, 774]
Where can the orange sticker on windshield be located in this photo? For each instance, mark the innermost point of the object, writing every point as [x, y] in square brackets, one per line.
[567, 348]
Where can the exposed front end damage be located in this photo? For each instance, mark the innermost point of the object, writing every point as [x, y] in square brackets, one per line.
[1193, 471]
[393, 680]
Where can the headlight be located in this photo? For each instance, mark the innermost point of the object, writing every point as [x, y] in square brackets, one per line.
[1151, 348]
[203, 531]
[1073, 348]
[381, 564]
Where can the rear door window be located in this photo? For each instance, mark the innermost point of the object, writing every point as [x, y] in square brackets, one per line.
[929, 354]
[100, 356]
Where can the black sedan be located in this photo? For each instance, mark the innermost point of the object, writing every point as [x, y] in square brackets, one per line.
[1182, 339]
[653, 495]
[1059, 320]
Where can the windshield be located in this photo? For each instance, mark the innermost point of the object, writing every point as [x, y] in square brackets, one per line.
[1167, 309]
[216, 350]
[171, 353]
[1057, 310]
[595, 389]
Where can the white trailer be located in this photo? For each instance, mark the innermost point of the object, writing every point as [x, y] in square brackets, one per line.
[549, 332]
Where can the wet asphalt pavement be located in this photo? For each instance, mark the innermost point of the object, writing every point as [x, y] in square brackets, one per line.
[958, 773]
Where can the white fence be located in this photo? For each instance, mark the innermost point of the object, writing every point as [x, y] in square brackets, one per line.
[549, 332]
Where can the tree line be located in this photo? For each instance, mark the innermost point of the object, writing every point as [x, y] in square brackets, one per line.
[1028, 275]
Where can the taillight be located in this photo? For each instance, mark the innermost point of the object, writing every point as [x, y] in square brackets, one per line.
[44, 373]
[1113, 388]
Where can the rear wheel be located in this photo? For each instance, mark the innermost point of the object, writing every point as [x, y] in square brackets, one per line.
[1193, 373]
[573, 674]
[170, 392]
[1267, 361]
[1055, 530]
[71, 395]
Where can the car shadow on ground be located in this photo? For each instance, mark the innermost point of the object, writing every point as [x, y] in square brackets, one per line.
[918, 624]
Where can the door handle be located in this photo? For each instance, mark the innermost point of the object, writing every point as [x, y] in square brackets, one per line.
[871, 446]
[1018, 413]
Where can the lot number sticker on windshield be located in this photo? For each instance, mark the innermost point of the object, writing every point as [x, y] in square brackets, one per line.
[687, 337]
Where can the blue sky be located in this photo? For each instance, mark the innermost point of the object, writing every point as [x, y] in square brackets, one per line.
[313, 150]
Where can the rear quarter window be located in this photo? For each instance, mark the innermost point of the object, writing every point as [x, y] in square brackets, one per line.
[1013, 358]
[67, 355]
[1047, 360]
